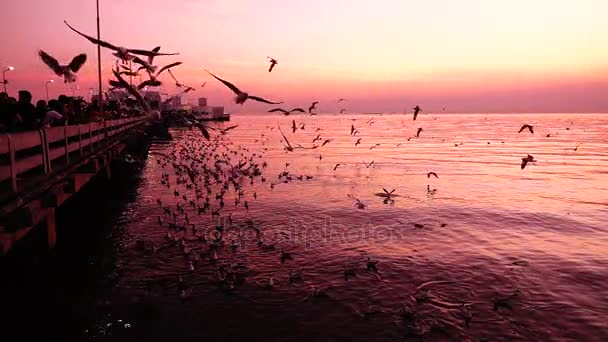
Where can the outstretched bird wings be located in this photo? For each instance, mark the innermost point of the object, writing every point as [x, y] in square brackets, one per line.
[93, 40]
[77, 62]
[51, 62]
[232, 86]
[259, 99]
[115, 48]
[167, 67]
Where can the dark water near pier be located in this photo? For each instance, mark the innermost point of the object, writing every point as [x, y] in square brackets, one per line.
[485, 251]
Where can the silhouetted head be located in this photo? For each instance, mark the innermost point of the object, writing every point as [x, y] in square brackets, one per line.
[3, 96]
[25, 96]
[54, 105]
[41, 105]
[63, 99]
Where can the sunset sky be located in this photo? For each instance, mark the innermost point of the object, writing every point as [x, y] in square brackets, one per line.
[383, 55]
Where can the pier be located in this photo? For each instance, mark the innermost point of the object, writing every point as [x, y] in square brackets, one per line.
[41, 169]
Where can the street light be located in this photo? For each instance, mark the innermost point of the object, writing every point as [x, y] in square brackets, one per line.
[4, 81]
[47, 89]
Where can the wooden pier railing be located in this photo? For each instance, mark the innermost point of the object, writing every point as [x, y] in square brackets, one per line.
[50, 144]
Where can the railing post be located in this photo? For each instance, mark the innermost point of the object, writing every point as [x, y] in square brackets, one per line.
[67, 146]
[90, 138]
[80, 138]
[13, 164]
[45, 151]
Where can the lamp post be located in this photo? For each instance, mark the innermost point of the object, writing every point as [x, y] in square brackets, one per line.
[47, 89]
[4, 81]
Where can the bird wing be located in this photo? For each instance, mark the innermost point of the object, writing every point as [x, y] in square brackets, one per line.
[175, 79]
[231, 86]
[298, 110]
[385, 190]
[150, 53]
[204, 84]
[531, 129]
[132, 91]
[284, 137]
[167, 67]
[93, 40]
[259, 99]
[278, 110]
[524, 162]
[77, 62]
[522, 128]
[203, 130]
[51, 62]
[271, 67]
[229, 128]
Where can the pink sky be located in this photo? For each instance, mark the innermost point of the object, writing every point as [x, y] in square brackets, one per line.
[384, 55]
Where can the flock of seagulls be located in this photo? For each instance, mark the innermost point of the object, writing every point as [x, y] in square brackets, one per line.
[201, 185]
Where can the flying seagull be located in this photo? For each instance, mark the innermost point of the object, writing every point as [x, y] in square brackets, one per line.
[418, 132]
[335, 167]
[340, 100]
[273, 62]
[120, 52]
[428, 175]
[121, 83]
[526, 160]
[312, 106]
[416, 111]
[285, 111]
[241, 97]
[529, 127]
[288, 147]
[67, 71]
[368, 165]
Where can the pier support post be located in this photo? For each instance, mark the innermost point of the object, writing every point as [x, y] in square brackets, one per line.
[51, 228]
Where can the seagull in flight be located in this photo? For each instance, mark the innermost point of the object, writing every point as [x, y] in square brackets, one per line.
[67, 71]
[312, 106]
[273, 62]
[358, 142]
[335, 167]
[285, 112]
[120, 52]
[340, 100]
[121, 83]
[526, 160]
[529, 127]
[288, 147]
[416, 111]
[241, 97]
[368, 165]
[428, 175]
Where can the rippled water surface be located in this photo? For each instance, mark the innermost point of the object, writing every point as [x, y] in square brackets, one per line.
[485, 251]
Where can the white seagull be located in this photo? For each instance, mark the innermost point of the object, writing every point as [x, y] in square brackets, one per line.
[67, 71]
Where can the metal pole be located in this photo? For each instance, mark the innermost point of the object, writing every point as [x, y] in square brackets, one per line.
[47, 91]
[100, 97]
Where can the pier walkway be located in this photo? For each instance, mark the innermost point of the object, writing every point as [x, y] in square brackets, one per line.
[41, 169]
